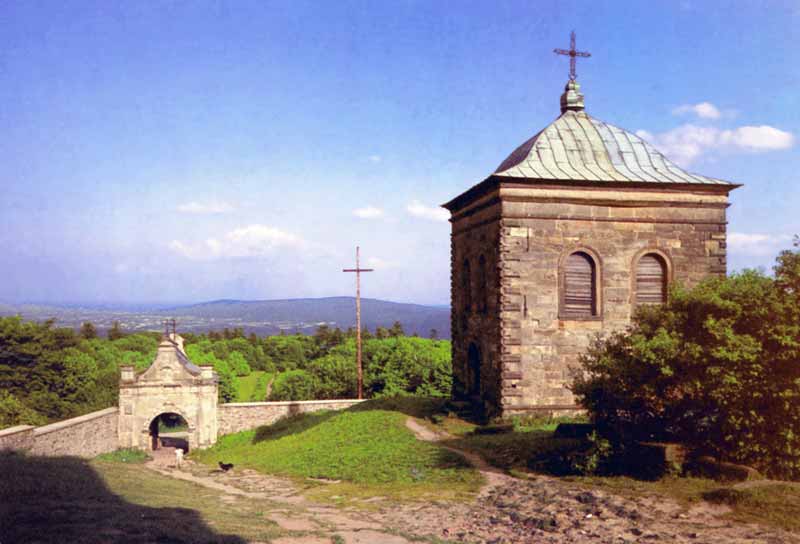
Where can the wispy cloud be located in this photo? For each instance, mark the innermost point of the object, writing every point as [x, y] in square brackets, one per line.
[206, 208]
[703, 110]
[375, 158]
[418, 209]
[378, 263]
[368, 212]
[757, 244]
[250, 241]
[686, 143]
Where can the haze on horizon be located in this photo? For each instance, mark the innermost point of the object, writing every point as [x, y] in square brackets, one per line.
[185, 153]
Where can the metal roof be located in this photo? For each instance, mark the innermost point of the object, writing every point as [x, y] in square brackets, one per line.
[577, 147]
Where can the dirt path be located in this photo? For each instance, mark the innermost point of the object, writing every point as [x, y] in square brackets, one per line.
[508, 510]
[269, 386]
[493, 476]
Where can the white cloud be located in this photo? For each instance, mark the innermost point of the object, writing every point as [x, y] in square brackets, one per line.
[704, 110]
[687, 142]
[378, 263]
[250, 241]
[206, 208]
[368, 212]
[375, 158]
[418, 209]
[757, 245]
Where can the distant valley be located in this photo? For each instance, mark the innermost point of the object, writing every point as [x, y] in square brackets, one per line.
[262, 317]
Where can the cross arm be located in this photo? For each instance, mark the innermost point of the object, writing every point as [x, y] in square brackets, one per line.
[358, 270]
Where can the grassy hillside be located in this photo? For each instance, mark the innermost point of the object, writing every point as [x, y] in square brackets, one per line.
[361, 446]
[253, 387]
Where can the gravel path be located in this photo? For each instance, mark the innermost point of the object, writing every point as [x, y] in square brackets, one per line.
[507, 510]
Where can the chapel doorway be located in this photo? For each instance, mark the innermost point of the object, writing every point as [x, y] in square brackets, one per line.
[473, 371]
[169, 430]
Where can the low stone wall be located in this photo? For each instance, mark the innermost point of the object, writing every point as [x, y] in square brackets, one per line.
[17, 438]
[241, 416]
[84, 436]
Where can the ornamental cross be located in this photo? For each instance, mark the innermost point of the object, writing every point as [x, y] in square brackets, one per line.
[572, 53]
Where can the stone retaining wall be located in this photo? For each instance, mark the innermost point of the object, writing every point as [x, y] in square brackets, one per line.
[17, 438]
[85, 436]
[241, 416]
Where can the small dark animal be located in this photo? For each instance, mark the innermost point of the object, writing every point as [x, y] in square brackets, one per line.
[225, 466]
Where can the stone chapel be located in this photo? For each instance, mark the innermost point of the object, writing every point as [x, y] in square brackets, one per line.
[576, 228]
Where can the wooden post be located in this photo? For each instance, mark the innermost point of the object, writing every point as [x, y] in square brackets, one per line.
[358, 270]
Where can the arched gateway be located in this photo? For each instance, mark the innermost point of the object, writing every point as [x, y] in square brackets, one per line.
[174, 386]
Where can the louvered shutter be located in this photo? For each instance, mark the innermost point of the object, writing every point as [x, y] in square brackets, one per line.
[579, 286]
[651, 285]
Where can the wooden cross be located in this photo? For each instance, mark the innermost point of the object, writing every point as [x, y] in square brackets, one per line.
[358, 270]
[572, 53]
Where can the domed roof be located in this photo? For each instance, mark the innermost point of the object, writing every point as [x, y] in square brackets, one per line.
[577, 147]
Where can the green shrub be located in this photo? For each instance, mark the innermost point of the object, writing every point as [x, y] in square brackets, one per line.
[294, 385]
[717, 367]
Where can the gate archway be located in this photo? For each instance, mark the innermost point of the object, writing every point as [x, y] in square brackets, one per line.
[171, 385]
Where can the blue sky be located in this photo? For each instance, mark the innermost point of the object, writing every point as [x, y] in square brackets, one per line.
[179, 152]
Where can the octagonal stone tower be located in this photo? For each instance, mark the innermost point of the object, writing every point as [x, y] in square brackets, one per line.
[576, 228]
[171, 385]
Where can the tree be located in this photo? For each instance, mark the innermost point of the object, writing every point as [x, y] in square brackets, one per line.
[88, 331]
[434, 334]
[115, 332]
[238, 364]
[396, 330]
[294, 385]
[717, 367]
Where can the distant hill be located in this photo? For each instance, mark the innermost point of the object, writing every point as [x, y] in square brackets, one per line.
[262, 317]
[305, 314]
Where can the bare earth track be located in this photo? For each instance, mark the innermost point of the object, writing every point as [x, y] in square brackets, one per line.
[507, 510]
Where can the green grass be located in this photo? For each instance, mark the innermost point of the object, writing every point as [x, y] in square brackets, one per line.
[253, 387]
[371, 451]
[124, 456]
[776, 504]
[515, 450]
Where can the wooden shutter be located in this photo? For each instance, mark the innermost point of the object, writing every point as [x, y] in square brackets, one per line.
[651, 284]
[579, 286]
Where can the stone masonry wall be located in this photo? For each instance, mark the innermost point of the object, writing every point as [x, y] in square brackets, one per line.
[541, 226]
[241, 416]
[476, 235]
[18, 438]
[85, 436]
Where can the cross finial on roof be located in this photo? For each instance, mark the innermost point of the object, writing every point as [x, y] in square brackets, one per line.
[572, 53]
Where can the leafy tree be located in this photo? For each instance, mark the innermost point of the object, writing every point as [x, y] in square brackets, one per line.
[294, 385]
[434, 334]
[238, 364]
[228, 383]
[14, 412]
[396, 330]
[88, 331]
[716, 367]
[335, 375]
[115, 332]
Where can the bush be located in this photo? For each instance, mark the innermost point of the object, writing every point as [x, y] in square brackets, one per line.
[294, 385]
[716, 367]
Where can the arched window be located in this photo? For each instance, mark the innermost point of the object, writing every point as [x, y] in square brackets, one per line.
[580, 286]
[482, 294]
[651, 279]
[466, 285]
